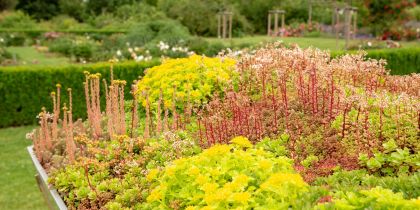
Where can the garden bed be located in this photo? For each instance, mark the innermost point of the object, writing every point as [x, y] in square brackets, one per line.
[284, 128]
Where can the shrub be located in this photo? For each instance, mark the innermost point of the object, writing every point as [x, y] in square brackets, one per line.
[63, 22]
[199, 45]
[194, 79]
[84, 50]
[24, 90]
[81, 48]
[62, 45]
[14, 39]
[227, 177]
[16, 20]
[205, 23]
[170, 32]
[214, 48]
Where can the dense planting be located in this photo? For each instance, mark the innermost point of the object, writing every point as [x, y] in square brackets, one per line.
[291, 129]
[191, 80]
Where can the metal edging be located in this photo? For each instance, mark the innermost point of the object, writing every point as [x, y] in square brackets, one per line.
[42, 179]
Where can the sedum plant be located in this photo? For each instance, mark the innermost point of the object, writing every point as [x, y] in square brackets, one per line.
[232, 176]
[359, 179]
[375, 198]
[193, 79]
[392, 160]
[114, 171]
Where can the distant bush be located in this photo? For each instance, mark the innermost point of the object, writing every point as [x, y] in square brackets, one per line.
[14, 39]
[61, 45]
[16, 20]
[170, 32]
[24, 90]
[63, 22]
[201, 16]
[84, 50]
[81, 49]
[203, 47]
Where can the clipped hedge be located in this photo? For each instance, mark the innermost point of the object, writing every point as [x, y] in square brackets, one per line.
[400, 61]
[25, 90]
[74, 31]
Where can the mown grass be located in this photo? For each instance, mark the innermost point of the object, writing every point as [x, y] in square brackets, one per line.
[30, 56]
[18, 188]
[323, 43]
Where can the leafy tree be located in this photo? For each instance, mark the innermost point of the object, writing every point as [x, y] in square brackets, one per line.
[383, 14]
[100, 6]
[201, 16]
[73, 8]
[39, 9]
[7, 4]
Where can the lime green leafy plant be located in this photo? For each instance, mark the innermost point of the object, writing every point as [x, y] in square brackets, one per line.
[375, 198]
[232, 176]
[392, 160]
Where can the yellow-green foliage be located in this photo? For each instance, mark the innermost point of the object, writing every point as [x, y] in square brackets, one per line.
[226, 177]
[195, 78]
[375, 198]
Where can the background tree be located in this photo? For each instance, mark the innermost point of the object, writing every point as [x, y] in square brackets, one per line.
[73, 8]
[384, 14]
[7, 4]
[39, 9]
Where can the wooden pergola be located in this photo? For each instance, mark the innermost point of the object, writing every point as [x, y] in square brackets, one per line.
[350, 22]
[224, 24]
[338, 8]
[275, 14]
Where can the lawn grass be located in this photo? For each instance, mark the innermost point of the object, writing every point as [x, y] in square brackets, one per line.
[18, 188]
[30, 56]
[323, 43]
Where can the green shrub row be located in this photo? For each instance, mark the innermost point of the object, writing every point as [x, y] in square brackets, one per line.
[399, 61]
[38, 32]
[25, 90]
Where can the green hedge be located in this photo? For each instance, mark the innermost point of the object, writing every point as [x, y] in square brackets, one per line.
[33, 33]
[400, 61]
[24, 90]
[75, 31]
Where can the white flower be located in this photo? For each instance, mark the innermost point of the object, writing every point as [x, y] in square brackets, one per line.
[119, 53]
[369, 44]
[1, 40]
[148, 58]
[139, 58]
[163, 46]
[127, 43]
[130, 50]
